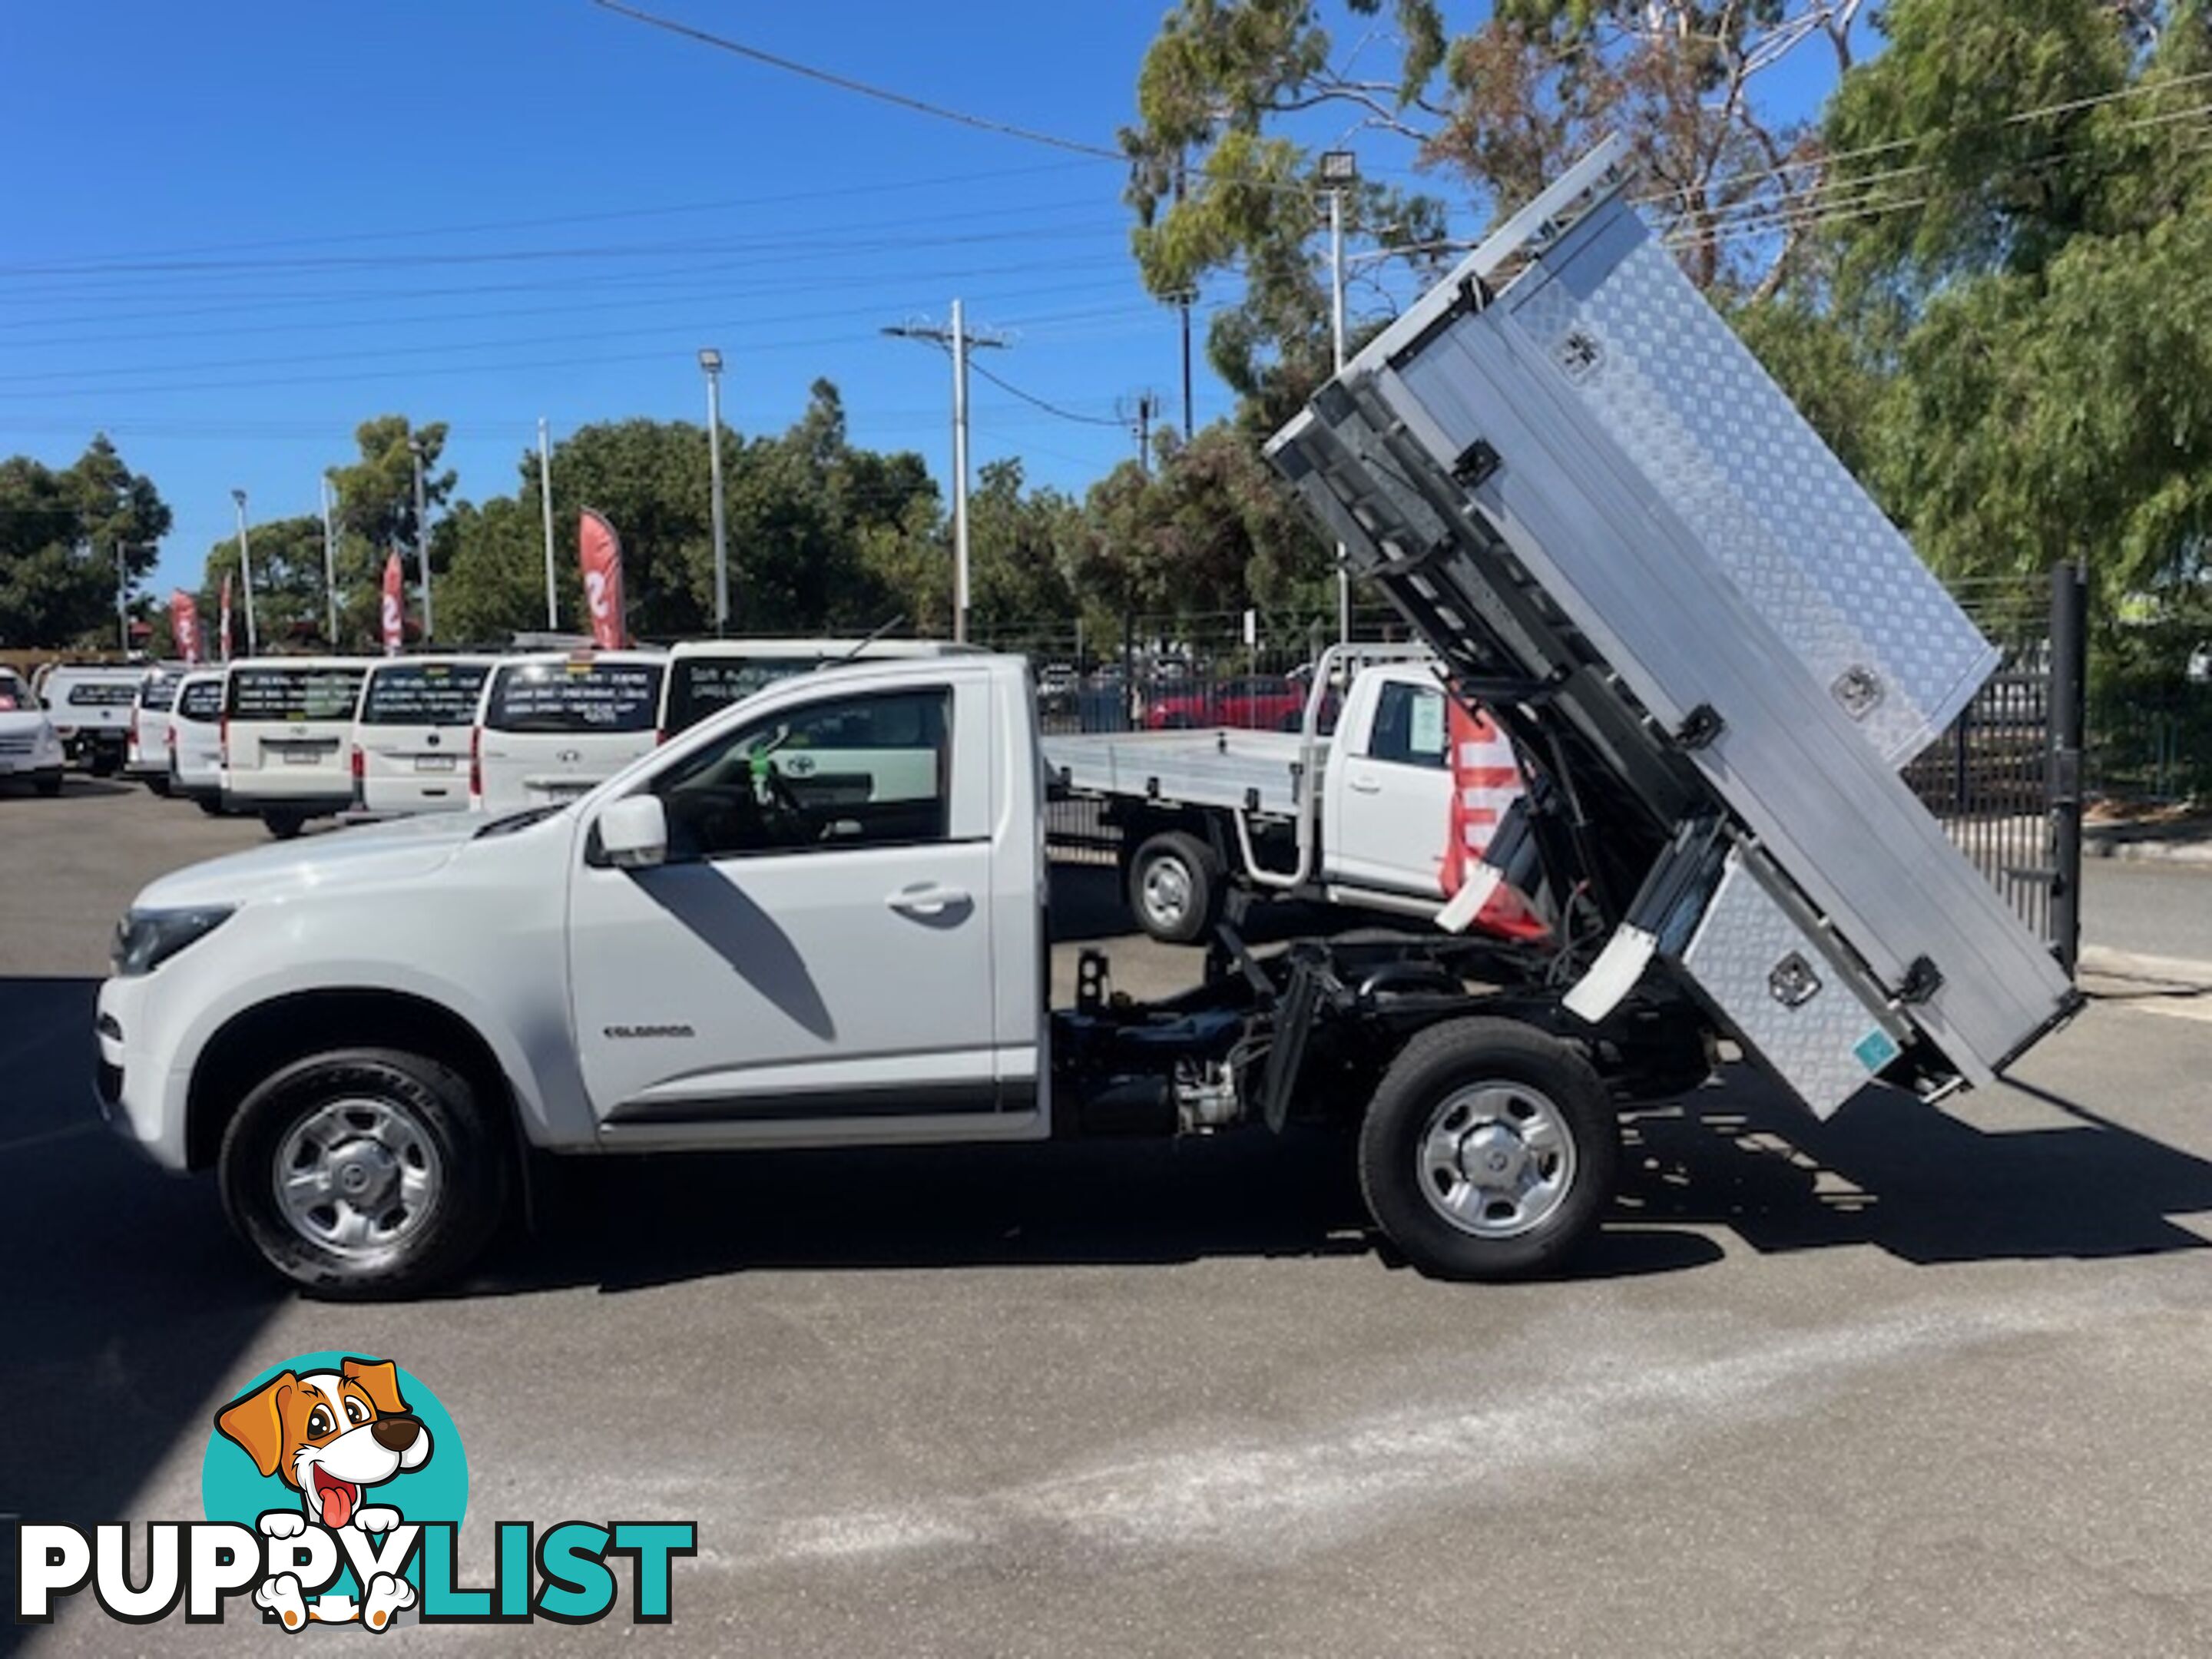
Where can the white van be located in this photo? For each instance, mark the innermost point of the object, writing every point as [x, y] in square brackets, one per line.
[28, 747]
[146, 756]
[708, 675]
[411, 739]
[195, 739]
[91, 709]
[287, 729]
[551, 725]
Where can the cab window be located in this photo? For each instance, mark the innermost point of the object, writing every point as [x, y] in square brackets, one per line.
[873, 769]
[1410, 728]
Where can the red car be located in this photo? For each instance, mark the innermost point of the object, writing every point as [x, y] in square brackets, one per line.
[1265, 703]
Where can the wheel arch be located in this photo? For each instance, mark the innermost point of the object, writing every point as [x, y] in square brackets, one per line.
[256, 1041]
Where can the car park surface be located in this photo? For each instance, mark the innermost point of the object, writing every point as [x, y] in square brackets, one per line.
[1911, 1381]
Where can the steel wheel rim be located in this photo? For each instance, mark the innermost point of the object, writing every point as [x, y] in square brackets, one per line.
[358, 1176]
[1496, 1159]
[1167, 891]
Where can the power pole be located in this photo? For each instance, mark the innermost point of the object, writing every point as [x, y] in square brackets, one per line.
[330, 568]
[956, 337]
[545, 501]
[1147, 405]
[422, 533]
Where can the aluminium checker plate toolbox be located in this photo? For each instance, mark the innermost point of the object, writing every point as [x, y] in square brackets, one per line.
[1589, 414]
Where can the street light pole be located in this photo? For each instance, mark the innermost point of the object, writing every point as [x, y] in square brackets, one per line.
[246, 574]
[1338, 168]
[422, 533]
[710, 360]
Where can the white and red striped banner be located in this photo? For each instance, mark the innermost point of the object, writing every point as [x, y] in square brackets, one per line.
[222, 625]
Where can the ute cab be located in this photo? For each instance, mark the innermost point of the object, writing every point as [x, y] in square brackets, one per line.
[411, 738]
[550, 726]
[287, 731]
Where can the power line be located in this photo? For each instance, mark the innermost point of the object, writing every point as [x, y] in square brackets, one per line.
[1050, 409]
[845, 83]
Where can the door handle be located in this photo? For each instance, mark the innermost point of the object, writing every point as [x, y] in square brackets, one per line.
[1360, 784]
[931, 900]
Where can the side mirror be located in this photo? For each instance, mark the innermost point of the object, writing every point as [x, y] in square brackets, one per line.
[634, 833]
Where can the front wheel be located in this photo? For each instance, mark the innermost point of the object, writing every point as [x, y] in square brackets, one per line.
[49, 784]
[364, 1172]
[1490, 1152]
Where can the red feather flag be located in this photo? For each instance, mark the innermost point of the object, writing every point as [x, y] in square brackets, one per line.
[599, 553]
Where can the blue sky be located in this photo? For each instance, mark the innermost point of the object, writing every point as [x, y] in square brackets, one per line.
[240, 230]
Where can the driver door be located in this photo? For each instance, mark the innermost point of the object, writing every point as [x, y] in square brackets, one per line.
[818, 946]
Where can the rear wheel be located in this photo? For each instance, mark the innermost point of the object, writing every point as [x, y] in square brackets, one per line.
[284, 825]
[103, 763]
[364, 1172]
[211, 805]
[1175, 887]
[159, 783]
[1490, 1150]
[50, 783]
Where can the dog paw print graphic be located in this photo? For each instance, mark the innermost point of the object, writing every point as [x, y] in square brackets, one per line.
[339, 1461]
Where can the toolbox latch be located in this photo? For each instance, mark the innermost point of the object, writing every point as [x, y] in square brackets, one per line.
[1476, 464]
[1700, 727]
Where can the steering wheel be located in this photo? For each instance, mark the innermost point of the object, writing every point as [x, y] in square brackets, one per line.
[779, 790]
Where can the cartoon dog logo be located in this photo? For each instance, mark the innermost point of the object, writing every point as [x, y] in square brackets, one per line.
[331, 1435]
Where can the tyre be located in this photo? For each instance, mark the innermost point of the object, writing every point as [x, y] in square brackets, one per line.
[284, 825]
[1490, 1150]
[364, 1172]
[104, 764]
[159, 784]
[49, 784]
[210, 805]
[1175, 887]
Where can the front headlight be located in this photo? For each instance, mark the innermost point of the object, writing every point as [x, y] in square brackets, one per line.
[144, 939]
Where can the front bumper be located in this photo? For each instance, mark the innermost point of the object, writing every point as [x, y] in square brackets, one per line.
[142, 1104]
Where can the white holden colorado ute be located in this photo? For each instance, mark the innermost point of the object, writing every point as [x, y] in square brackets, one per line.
[819, 916]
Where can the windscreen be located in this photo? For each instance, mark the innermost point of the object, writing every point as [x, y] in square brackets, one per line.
[102, 693]
[581, 695]
[423, 694]
[293, 695]
[701, 686]
[201, 700]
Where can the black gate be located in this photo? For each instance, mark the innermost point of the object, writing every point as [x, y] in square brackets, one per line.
[2005, 781]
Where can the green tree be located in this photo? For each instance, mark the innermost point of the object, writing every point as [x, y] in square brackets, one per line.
[1223, 180]
[2022, 292]
[287, 590]
[60, 533]
[376, 513]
